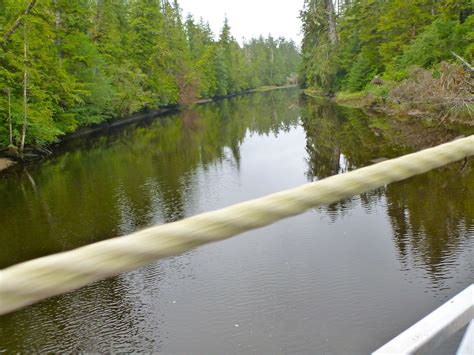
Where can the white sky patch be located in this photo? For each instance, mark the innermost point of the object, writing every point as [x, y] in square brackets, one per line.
[249, 18]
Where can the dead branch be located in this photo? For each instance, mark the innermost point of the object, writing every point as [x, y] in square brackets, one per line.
[464, 61]
[17, 23]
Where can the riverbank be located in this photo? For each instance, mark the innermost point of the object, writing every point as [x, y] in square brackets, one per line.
[443, 97]
[362, 100]
[7, 161]
[373, 102]
[272, 88]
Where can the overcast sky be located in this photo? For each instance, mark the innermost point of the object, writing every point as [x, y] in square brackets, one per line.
[249, 18]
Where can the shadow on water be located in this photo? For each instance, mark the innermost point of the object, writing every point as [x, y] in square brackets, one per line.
[297, 290]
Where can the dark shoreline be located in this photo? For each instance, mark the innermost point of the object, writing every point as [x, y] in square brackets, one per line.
[150, 114]
[119, 122]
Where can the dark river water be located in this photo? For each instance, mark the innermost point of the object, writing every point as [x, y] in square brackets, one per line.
[343, 279]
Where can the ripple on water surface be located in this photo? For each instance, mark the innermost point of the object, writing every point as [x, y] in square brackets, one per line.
[340, 279]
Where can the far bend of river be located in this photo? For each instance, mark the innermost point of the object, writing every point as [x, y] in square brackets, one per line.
[343, 279]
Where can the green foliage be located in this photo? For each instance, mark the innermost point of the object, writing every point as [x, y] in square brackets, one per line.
[360, 73]
[318, 69]
[436, 43]
[382, 37]
[88, 61]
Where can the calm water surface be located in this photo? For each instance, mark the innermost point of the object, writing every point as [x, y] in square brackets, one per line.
[342, 279]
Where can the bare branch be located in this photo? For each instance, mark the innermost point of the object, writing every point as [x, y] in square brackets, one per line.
[466, 64]
[18, 22]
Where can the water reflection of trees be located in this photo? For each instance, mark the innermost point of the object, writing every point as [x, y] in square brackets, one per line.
[431, 215]
[113, 185]
[336, 134]
[340, 140]
[131, 178]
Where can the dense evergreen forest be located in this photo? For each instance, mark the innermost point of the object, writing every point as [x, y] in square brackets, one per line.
[418, 52]
[66, 64]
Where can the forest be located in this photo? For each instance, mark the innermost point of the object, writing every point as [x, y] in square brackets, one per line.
[67, 64]
[415, 54]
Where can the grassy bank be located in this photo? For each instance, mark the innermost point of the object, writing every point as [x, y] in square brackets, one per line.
[271, 88]
[442, 96]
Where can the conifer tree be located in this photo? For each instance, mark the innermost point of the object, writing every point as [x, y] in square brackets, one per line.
[89, 61]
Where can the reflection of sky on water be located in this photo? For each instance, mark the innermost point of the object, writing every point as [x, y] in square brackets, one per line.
[339, 279]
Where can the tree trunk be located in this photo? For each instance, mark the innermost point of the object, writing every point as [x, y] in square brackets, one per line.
[25, 84]
[57, 15]
[331, 21]
[272, 66]
[10, 127]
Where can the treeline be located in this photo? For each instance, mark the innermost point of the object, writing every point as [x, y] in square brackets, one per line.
[348, 42]
[71, 63]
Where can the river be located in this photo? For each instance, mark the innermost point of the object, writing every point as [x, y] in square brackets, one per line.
[342, 279]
